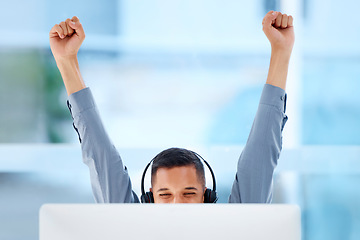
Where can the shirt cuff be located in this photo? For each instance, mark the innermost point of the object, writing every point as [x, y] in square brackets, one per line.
[80, 101]
[274, 96]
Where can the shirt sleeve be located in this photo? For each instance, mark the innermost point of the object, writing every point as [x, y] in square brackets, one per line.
[109, 177]
[254, 176]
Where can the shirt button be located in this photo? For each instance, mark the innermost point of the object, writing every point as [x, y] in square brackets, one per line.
[282, 98]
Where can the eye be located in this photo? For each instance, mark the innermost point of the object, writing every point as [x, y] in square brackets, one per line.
[165, 195]
[189, 194]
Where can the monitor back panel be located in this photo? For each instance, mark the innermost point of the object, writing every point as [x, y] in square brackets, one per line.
[169, 221]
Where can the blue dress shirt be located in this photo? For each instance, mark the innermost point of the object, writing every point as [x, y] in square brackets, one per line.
[253, 181]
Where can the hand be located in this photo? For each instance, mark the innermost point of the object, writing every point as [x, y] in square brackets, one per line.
[66, 38]
[279, 29]
[65, 41]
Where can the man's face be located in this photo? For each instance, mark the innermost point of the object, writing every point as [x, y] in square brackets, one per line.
[177, 185]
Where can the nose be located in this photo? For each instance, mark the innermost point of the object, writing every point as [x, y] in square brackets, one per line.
[178, 199]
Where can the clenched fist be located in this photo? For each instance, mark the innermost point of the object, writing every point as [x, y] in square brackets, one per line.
[279, 29]
[66, 38]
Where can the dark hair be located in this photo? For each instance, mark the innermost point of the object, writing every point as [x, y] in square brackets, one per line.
[178, 157]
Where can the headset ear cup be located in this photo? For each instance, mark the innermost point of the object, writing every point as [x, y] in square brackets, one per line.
[207, 196]
[144, 198]
[213, 197]
[210, 196]
[148, 197]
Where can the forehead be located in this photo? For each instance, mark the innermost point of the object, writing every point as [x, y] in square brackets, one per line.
[176, 177]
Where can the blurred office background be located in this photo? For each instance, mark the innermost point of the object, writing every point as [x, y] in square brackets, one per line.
[188, 74]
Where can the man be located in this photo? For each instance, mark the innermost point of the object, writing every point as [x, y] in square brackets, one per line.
[177, 176]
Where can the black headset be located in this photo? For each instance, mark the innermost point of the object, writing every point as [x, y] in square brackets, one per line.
[210, 196]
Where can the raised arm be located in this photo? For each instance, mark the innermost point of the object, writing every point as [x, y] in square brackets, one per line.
[253, 181]
[109, 177]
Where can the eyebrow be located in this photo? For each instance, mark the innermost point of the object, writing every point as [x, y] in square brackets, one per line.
[187, 188]
[162, 189]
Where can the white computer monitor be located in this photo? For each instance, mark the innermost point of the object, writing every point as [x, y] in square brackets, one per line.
[169, 221]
